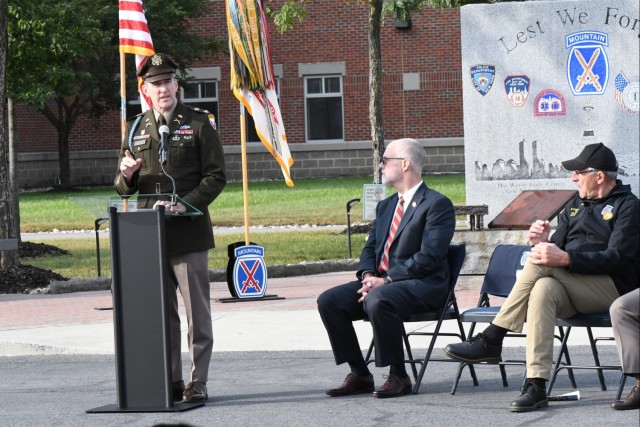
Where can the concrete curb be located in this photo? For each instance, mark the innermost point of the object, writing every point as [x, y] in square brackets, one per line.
[215, 275]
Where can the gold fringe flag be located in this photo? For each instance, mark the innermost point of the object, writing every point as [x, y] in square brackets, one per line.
[252, 77]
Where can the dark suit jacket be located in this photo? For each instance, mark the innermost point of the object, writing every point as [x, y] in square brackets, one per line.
[195, 160]
[418, 254]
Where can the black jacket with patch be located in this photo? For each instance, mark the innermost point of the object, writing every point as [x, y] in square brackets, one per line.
[603, 236]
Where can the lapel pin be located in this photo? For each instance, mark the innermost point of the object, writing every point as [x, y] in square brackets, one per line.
[414, 204]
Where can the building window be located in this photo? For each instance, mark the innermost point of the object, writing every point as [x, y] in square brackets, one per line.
[133, 104]
[323, 102]
[252, 134]
[201, 94]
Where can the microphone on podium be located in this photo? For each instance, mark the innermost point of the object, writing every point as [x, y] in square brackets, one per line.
[162, 157]
[164, 141]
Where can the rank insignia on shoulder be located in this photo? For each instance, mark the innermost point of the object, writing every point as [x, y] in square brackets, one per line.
[198, 109]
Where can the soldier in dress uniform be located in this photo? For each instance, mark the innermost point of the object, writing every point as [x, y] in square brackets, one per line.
[194, 170]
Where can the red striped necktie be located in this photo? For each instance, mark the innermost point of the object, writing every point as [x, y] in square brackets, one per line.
[397, 217]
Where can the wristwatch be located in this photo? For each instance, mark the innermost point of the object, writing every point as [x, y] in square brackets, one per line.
[387, 280]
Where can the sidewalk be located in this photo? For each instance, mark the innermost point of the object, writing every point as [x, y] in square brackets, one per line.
[82, 322]
[270, 366]
[79, 322]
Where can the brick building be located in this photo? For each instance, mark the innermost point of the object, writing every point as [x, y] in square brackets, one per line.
[322, 68]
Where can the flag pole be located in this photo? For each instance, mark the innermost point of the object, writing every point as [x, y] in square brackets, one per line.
[245, 175]
[123, 113]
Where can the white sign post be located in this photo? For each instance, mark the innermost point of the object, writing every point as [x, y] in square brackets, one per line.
[372, 194]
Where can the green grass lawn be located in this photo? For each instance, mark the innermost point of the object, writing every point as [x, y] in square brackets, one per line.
[291, 247]
[313, 201]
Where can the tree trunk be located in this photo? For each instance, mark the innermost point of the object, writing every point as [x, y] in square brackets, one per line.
[13, 170]
[375, 86]
[63, 121]
[63, 157]
[7, 258]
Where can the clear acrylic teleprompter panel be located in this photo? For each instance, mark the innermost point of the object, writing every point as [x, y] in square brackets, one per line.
[99, 205]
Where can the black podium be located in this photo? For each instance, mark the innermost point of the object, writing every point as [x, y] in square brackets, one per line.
[141, 314]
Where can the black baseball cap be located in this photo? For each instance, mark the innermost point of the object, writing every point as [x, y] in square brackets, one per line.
[596, 156]
[157, 67]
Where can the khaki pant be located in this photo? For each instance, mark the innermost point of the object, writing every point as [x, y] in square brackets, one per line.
[625, 319]
[189, 273]
[540, 295]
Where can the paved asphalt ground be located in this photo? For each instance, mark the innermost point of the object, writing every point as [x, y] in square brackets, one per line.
[270, 366]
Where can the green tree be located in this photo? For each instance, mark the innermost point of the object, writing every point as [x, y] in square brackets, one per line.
[294, 10]
[64, 61]
[7, 258]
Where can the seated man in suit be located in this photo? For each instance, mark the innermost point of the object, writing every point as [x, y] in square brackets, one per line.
[403, 269]
[625, 319]
[591, 259]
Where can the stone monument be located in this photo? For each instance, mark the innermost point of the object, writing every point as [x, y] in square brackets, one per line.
[542, 79]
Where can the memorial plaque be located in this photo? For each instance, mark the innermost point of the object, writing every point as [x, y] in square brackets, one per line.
[372, 194]
[530, 206]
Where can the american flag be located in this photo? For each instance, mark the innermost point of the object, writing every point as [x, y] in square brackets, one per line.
[135, 37]
[620, 83]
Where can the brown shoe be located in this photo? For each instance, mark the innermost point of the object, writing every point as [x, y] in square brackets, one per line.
[631, 402]
[177, 388]
[353, 384]
[196, 391]
[394, 387]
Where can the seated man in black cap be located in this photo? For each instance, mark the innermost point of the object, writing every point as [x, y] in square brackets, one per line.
[592, 258]
[190, 164]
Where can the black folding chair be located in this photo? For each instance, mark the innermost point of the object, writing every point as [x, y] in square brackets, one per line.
[504, 266]
[449, 311]
[499, 279]
[589, 321]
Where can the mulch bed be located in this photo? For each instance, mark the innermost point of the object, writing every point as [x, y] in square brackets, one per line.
[25, 278]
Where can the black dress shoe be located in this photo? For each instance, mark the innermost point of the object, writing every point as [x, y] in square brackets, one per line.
[196, 391]
[474, 350]
[353, 384]
[177, 388]
[631, 402]
[394, 387]
[532, 396]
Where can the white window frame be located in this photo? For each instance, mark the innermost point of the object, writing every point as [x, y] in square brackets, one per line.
[200, 98]
[323, 94]
[322, 70]
[199, 76]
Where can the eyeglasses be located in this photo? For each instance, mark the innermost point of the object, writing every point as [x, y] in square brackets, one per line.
[386, 159]
[585, 171]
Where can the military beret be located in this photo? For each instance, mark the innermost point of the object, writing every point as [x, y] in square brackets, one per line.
[157, 67]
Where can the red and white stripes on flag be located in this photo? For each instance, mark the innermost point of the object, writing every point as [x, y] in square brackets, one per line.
[135, 37]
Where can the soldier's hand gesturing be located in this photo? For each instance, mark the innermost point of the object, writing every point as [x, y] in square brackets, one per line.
[129, 165]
